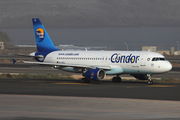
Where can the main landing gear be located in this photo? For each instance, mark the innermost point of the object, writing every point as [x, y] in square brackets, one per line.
[85, 80]
[150, 82]
[116, 79]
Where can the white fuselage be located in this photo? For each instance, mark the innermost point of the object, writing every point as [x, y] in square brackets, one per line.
[120, 62]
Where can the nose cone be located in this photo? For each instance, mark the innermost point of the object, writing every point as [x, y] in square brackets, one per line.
[168, 66]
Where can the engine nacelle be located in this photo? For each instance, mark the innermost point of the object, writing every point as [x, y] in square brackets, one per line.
[95, 74]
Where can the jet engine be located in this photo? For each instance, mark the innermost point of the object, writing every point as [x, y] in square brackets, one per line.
[95, 74]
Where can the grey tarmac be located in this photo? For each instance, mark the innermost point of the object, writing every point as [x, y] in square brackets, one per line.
[50, 99]
[33, 107]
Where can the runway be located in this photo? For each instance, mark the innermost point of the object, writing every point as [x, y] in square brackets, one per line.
[134, 90]
[50, 99]
[135, 87]
[32, 107]
[37, 99]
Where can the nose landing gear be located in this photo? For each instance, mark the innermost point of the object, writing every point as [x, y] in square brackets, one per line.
[150, 82]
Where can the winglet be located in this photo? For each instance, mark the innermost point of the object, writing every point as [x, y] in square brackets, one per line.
[14, 61]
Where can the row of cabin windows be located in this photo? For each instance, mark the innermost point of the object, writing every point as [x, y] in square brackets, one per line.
[71, 58]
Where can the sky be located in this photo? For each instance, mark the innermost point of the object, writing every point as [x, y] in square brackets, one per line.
[90, 13]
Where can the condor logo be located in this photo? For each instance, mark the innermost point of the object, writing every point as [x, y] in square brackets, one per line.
[92, 74]
[116, 58]
[40, 34]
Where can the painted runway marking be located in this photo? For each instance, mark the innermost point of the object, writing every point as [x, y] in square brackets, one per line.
[53, 82]
[73, 83]
[161, 86]
[156, 86]
[38, 81]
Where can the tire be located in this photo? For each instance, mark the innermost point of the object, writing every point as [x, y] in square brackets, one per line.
[84, 80]
[116, 79]
[150, 82]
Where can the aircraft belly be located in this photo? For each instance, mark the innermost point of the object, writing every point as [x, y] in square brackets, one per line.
[71, 69]
[114, 71]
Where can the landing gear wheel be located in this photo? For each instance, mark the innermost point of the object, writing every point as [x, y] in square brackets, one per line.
[84, 80]
[150, 82]
[116, 79]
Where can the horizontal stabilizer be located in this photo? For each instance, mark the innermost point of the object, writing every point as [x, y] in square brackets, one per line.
[29, 56]
[14, 61]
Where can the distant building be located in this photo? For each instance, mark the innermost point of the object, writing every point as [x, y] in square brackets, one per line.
[1, 45]
[154, 49]
[149, 48]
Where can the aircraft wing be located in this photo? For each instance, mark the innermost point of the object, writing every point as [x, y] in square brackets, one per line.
[69, 65]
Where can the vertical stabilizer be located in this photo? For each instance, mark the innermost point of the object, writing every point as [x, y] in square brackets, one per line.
[43, 41]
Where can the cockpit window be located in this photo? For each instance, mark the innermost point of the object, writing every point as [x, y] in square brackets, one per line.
[162, 59]
[158, 59]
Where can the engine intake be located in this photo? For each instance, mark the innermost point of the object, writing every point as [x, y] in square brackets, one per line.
[95, 74]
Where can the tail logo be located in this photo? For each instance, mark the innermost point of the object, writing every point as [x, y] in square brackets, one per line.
[40, 34]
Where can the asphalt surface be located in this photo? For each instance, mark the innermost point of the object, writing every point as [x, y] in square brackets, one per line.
[126, 89]
[107, 89]
[37, 99]
[33, 107]
[50, 99]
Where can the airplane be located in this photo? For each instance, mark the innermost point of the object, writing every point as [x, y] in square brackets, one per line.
[95, 65]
